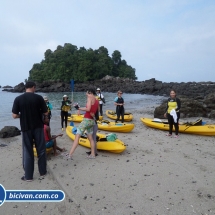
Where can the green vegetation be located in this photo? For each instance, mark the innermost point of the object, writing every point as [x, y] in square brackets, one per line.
[69, 62]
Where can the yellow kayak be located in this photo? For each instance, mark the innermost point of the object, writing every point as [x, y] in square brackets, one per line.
[79, 118]
[116, 127]
[112, 115]
[48, 150]
[116, 146]
[191, 128]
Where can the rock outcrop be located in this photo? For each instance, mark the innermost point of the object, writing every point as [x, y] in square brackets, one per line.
[7, 87]
[193, 90]
[9, 131]
[197, 98]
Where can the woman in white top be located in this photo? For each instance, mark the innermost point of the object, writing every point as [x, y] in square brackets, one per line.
[101, 100]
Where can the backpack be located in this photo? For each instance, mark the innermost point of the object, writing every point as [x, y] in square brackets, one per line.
[111, 137]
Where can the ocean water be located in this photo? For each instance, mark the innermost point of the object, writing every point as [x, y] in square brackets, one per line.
[132, 102]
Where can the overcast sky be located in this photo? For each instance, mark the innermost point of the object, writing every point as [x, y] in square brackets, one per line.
[170, 40]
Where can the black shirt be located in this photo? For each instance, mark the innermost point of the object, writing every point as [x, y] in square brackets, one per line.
[31, 108]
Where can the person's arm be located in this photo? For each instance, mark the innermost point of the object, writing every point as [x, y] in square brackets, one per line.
[88, 106]
[15, 110]
[15, 116]
[178, 104]
[115, 101]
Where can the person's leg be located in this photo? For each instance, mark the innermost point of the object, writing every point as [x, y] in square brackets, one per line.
[66, 118]
[170, 121]
[54, 147]
[176, 124]
[122, 113]
[40, 145]
[95, 129]
[117, 113]
[92, 144]
[75, 144]
[62, 119]
[28, 155]
[101, 111]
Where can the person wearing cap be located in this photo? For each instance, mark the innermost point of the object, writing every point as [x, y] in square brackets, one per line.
[65, 107]
[119, 102]
[101, 100]
[49, 107]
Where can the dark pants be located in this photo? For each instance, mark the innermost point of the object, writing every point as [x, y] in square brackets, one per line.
[64, 116]
[101, 111]
[171, 123]
[120, 112]
[28, 155]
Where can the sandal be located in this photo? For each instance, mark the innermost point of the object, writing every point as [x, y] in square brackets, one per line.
[176, 136]
[169, 135]
[91, 157]
[24, 179]
[67, 156]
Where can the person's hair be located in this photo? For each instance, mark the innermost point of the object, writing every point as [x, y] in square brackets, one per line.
[92, 90]
[119, 91]
[30, 84]
[173, 91]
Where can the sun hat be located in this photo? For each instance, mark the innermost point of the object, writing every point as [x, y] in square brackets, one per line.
[65, 96]
[98, 89]
[45, 97]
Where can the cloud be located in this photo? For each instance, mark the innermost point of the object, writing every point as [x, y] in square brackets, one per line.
[169, 40]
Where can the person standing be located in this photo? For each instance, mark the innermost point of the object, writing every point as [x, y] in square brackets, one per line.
[173, 112]
[87, 123]
[30, 108]
[101, 100]
[119, 102]
[95, 128]
[65, 107]
[49, 107]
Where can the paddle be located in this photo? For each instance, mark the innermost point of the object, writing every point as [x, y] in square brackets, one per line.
[72, 84]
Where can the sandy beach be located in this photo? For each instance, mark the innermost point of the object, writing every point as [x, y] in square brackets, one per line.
[154, 175]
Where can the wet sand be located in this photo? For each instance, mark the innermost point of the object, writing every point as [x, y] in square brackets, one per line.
[154, 175]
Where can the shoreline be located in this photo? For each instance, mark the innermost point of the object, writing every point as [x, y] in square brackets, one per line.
[154, 175]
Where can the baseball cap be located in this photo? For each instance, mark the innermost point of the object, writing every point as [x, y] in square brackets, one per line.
[45, 97]
[98, 89]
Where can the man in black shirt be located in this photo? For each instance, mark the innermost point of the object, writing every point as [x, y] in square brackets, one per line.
[30, 107]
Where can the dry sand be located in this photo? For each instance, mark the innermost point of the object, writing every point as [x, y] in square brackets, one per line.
[155, 175]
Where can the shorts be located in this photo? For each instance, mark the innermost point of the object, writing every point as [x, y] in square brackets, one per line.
[50, 144]
[86, 125]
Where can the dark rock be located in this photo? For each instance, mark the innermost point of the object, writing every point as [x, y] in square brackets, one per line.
[9, 131]
[19, 88]
[212, 114]
[7, 86]
[194, 90]
[159, 111]
[191, 107]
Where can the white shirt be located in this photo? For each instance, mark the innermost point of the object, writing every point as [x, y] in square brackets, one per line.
[100, 97]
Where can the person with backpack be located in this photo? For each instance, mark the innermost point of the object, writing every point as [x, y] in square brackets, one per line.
[119, 102]
[101, 100]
